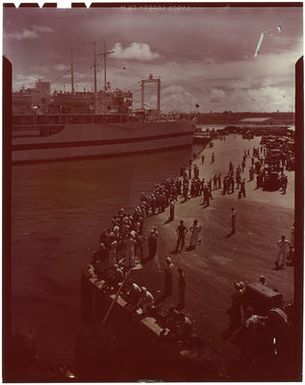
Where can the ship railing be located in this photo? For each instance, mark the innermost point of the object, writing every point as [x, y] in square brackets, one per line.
[109, 117]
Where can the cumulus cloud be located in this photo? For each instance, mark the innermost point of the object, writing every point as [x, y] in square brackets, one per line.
[28, 34]
[175, 98]
[42, 29]
[61, 67]
[136, 51]
[217, 95]
[173, 89]
[27, 81]
[22, 35]
[260, 99]
[240, 84]
[77, 75]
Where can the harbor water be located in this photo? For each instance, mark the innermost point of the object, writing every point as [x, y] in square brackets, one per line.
[58, 211]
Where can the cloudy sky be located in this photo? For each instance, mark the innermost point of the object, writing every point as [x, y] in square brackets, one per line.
[203, 55]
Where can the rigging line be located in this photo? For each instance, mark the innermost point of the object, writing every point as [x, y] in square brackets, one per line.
[61, 75]
[145, 104]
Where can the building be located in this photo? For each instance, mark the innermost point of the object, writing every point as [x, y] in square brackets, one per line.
[43, 87]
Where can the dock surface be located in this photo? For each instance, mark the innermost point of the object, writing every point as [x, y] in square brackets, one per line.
[222, 259]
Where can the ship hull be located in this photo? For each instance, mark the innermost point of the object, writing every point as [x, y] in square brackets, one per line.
[98, 140]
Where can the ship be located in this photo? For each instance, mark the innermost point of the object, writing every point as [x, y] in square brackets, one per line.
[201, 137]
[68, 125]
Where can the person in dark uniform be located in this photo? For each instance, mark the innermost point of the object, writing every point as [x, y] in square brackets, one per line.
[242, 189]
[181, 231]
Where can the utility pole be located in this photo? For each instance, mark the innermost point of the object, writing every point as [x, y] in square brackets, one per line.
[72, 73]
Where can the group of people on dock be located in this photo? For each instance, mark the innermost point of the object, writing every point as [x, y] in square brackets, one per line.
[181, 233]
[123, 244]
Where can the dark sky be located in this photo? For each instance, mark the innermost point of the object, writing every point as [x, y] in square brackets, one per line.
[203, 55]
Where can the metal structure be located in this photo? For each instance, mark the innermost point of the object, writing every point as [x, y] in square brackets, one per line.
[94, 69]
[104, 54]
[95, 55]
[150, 80]
[72, 73]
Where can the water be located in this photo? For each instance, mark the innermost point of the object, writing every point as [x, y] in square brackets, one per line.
[58, 212]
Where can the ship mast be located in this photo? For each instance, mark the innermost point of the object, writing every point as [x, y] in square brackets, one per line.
[94, 76]
[72, 73]
[94, 69]
[105, 53]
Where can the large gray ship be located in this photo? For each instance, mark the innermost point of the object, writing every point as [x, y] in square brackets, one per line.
[65, 125]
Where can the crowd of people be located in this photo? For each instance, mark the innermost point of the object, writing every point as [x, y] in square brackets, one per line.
[123, 245]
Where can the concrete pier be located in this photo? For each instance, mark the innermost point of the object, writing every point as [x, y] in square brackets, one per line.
[223, 259]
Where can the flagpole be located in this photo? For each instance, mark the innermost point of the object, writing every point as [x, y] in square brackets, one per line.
[115, 298]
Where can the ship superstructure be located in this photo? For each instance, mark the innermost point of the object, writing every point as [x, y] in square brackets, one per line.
[60, 125]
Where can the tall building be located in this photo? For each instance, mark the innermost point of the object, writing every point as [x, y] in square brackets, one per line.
[43, 87]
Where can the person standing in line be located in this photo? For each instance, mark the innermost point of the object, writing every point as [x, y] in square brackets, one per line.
[130, 243]
[140, 247]
[181, 231]
[219, 181]
[168, 276]
[236, 312]
[185, 193]
[202, 158]
[181, 289]
[113, 253]
[215, 182]
[152, 243]
[213, 158]
[190, 170]
[242, 188]
[233, 220]
[283, 245]
[195, 230]
[231, 184]
[172, 210]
